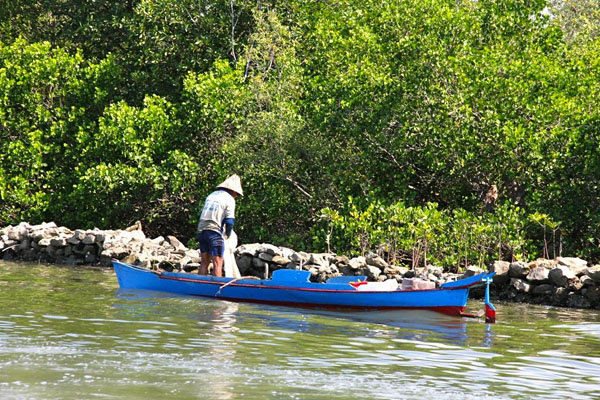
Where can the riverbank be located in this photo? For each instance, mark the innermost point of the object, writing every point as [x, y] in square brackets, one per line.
[565, 281]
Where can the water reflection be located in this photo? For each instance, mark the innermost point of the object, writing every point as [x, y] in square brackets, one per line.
[223, 325]
[409, 324]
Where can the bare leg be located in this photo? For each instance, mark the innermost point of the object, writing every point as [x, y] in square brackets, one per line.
[204, 261]
[217, 266]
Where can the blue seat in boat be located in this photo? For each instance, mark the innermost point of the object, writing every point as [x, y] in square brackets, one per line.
[291, 275]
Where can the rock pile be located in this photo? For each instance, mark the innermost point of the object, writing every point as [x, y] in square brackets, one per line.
[50, 243]
[260, 259]
[565, 281]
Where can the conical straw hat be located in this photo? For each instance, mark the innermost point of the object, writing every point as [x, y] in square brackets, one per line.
[232, 183]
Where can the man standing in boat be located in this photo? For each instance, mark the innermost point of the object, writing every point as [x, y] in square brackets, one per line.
[217, 216]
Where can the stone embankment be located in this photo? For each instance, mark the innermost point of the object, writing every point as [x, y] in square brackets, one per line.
[565, 281]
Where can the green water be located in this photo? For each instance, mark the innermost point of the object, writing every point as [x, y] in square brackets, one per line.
[70, 333]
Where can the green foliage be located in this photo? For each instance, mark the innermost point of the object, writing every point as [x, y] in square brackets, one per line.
[421, 235]
[432, 116]
[44, 93]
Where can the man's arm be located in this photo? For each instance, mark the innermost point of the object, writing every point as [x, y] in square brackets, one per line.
[228, 223]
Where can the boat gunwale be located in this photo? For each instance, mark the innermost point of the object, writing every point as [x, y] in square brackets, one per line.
[261, 285]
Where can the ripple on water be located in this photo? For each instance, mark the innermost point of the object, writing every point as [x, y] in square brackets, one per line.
[86, 339]
[591, 329]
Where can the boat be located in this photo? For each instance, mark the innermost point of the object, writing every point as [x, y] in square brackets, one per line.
[290, 287]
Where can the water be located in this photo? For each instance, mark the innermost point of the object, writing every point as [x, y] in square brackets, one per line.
[70, 333]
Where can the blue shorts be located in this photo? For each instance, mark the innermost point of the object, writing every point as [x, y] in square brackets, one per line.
[211, 242]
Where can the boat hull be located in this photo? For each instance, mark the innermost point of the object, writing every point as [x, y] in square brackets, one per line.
[300, 293]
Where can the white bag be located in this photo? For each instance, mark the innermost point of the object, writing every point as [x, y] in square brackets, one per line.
[230, 268]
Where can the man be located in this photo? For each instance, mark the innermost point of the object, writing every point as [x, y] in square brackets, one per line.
[217, 214]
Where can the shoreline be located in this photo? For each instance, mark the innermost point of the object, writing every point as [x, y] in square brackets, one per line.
[565, 281]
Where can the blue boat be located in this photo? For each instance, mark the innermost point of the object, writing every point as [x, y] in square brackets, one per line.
[293, 288]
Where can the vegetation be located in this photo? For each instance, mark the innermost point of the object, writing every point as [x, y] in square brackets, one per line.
[452, 132]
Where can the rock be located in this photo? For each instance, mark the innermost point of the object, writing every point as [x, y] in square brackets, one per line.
[118, 252]
[472, 270]
[520, 285]
[373, 272]
[322, 269]
[594, 273]
[450, 278]
[376, 261]
[575, 284]
[577, 265]
[248, 249]
[266, 256]
[8, 243]
[303, 257]
[269, 248]
[191, 267]
[258, 263]
[90, 258]
[320, 259]
[72, 261]
[89, 238]
[166, 266]
[128, 259]
[138, 235]
[280, 260]
[560, 295]
[194, 255]
[561, 275]
[18, 233]
[346, 270]
[542, 263]
[357, 263]
[292, 265]
[538, 274]
[90, 249]
[24, 245]
[185, 260]
[158, 240]
[58, 242]
[123, 237]
[135, 227]
[77, 237]
[244, 263]
[78, 250]
[518, 269]
[501, 269]
[592, 294]
[436, 271]
[395, 270]
[38, 235]
[586, 281]
[288, 253]
[105, 259]
[410, 274]
[543, 289]
[341, 260]
[576, 300]
[100, 238]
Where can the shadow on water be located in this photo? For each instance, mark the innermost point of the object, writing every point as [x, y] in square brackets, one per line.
[419, 325]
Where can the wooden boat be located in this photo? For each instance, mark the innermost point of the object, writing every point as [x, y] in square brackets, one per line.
[293, 288]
